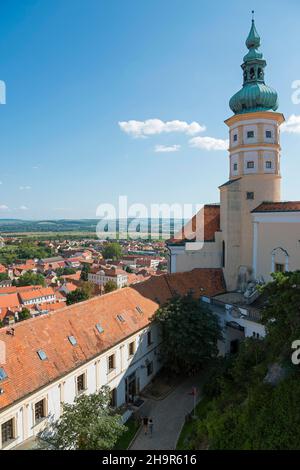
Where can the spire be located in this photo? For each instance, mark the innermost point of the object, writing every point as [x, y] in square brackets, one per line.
[255, 94]
[253, 39]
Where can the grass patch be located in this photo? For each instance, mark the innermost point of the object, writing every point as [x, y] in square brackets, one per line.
[189, 428]
[132, 426]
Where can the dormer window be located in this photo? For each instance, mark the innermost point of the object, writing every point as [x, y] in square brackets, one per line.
[250, 164]
[250, 134]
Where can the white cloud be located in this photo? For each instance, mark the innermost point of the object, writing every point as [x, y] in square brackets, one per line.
[23, 208]
[3, 207]
[166, 148]
[156, 127]
[24, 188]
[292, 124]
[209, 143]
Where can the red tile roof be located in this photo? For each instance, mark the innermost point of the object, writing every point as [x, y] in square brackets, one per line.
[36, 293]
[27, 373]
[211, 220]
[286, 206]
[204, 281]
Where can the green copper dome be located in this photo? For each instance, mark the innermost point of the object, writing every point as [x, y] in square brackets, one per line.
[255, 94]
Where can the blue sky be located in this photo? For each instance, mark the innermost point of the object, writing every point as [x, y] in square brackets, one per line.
[74, 69]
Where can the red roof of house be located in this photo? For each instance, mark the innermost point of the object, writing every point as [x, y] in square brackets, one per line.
[36, 293]
[204, 224]
[206, 281]
[27, 373]
[8, 301]
[286, 206]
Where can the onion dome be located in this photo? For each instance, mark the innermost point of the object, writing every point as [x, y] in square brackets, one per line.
[255, 94]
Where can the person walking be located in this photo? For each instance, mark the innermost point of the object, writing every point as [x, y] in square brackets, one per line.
[150, 426]
[145, 424]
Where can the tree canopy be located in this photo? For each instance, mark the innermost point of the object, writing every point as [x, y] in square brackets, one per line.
[190, 333]
[110, 286]
[87, 424]
[30, 279]
[112, 250]
[246, 411]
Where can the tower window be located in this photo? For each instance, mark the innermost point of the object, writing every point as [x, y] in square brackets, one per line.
[250, 195]
[235, 167]
[269, 164]
[250, 164]
[235, 138]
[269, 134]
[250, 134]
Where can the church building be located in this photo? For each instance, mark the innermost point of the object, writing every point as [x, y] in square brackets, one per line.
[251, 233]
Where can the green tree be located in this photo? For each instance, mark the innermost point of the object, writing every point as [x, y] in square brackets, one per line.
[84, 272]
[190, 333]
[281, 313]
[112, 250]
[110, 286]
[31, 279]
[88, 424]
[3, 276]
[24, 314]
[65, 271]
[76, 296]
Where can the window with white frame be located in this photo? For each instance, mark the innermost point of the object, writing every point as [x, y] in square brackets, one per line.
[39, 410]
[8, 431]
[81, 383]
[131, 348]
[111, 362]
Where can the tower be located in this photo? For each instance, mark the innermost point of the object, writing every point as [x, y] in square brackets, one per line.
[254, 162]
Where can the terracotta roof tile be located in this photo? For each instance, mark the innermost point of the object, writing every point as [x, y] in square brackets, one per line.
[286, 206]
[27, 373]
[36, 293]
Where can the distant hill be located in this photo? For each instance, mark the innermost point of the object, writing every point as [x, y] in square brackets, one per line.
[87, 225]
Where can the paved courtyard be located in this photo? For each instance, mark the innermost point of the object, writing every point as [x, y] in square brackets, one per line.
[168, 417]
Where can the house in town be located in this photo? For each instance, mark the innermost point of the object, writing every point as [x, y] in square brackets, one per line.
[100, 276]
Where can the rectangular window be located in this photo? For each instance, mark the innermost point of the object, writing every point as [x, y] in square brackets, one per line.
[7, 431]
[235, 137]
[39, 410]
[149, 338]
[250, 195]
[279, 268]
[268, 164]
[150, 368]
[111, 363]
[235, 167]
[269, 134]
[250, 134]
[131, 348]
[81, 385]
[250, 164]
